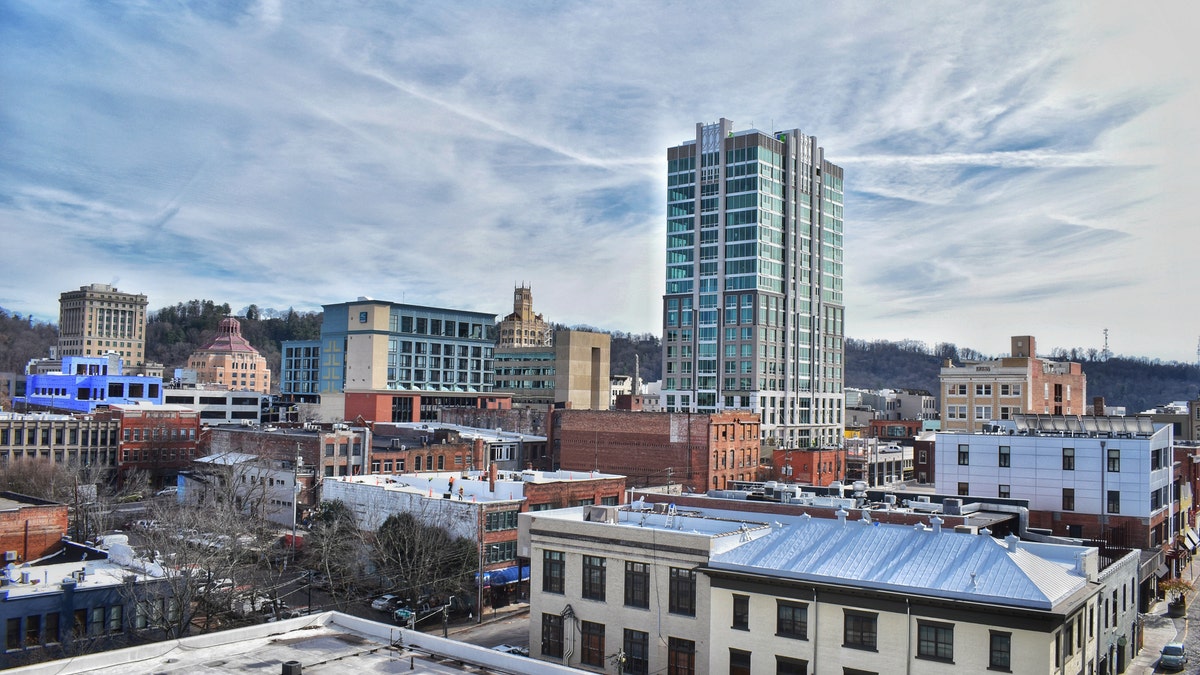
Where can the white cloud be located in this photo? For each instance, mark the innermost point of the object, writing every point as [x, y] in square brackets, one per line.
[1015, 168]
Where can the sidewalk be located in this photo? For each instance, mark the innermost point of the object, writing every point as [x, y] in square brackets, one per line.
[506, 612]
[1158, 629]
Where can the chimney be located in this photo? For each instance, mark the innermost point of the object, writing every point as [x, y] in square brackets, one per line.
[477, 453]
[1098, 406]
[492, 477]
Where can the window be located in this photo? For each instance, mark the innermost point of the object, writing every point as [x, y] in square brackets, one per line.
[553, 571]
[1004, 458]
[501, 520]
[741, 612]
[1000, 651]
[739, 662]
[637, 652]
[552, 635]
[935, 641]
[983, 412]
[1114, 501]
[683, 591]
[1068, 499]
[1114, 460]
[791, 619]
[859, 630]
[1068, 455]
[964, 455]
[681, 656]
[593, 577]
[983, 390]
[785, 665]
[592, 653]
[964, 489]
[1004, 492]
[637, 584]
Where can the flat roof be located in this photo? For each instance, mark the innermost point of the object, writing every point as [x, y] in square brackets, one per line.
[322, 644]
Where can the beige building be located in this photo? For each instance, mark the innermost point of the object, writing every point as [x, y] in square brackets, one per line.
[709, 591]
[98, 319]
[523, 328]
[572, 373]
[229, 360]
[977, 393]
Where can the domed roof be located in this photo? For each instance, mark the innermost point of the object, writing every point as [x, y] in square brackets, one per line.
[229, 338]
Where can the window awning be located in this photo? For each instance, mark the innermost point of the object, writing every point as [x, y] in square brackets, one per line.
[1161, 571]
[1193, 540]
[505, 575]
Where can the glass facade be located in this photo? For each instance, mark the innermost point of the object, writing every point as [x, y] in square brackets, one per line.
[753, 312]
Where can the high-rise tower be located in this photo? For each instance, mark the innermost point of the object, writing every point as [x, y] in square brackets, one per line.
[753, 312]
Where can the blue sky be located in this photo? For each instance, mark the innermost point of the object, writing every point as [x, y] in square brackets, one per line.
[1011, 168]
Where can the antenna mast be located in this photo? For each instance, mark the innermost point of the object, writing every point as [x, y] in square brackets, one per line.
[1105, 354]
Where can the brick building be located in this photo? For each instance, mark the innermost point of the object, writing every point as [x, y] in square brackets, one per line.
[157, 439]
[699, 451]
[30, 528]
[975, 394]
[810, 466]
[403, 448]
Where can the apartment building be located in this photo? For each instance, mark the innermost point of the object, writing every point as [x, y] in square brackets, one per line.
[754, 308]
[572, 372]
[1102, 478]
[74, 440]
[974, 394]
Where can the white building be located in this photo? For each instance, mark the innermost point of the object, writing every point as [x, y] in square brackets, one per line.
[705, 590]
[218, 405]
[1097, 477]
[266, 487]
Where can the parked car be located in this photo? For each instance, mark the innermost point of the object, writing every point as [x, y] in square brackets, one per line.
[512, 649]
[167, 492]
[1173, 656]
[386, 603]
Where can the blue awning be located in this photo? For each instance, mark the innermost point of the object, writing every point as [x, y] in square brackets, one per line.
[505, 576]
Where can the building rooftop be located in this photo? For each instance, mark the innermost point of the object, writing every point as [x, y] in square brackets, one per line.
[25, 581]
[474, 485]
[321, 644]
[466, 433]
[914, 560]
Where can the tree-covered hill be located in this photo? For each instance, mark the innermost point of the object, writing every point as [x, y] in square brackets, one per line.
[1136, 383]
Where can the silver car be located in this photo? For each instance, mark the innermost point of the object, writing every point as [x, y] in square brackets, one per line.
[1173, 656]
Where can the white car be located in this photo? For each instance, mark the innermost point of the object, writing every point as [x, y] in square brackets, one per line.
[512, 649]
[385, 603]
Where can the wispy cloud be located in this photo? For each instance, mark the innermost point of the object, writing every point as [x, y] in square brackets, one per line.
[1010, 168]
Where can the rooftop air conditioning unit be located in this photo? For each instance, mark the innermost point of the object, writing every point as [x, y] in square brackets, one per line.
[10, 556]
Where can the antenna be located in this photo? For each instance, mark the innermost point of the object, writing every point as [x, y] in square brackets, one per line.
[1106, 353]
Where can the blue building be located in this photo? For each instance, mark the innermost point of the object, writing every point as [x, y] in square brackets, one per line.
[67, 608]
[298, 371]
[84, 383]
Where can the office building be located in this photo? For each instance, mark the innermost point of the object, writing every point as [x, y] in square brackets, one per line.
[976, 393]
[84, 383]
[753, 311]
[572, 372]
[98, 319]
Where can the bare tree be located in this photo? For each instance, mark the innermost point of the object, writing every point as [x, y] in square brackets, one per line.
[335, 548]
[424, 558]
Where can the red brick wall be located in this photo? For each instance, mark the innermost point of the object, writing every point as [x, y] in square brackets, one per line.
[564, 494]
[33, 531]
[695, 450]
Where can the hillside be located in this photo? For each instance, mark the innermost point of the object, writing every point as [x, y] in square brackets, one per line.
[1136, 383]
